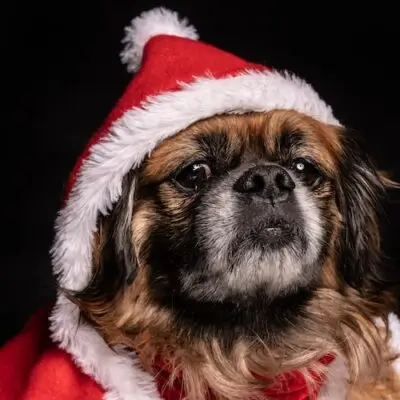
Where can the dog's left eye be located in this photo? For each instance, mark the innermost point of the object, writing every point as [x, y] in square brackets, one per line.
[308, 172]
[193, 176]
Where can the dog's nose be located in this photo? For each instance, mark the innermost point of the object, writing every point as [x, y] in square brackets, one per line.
[271, 182]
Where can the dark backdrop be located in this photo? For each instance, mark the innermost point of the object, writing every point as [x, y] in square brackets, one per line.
[63, 75]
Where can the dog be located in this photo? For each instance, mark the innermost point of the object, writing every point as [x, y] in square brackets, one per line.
[244, 247]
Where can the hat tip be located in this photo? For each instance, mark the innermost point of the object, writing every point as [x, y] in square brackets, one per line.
[157, 21]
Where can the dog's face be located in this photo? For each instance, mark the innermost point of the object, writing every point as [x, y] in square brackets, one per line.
[242, 206]
[236, 221]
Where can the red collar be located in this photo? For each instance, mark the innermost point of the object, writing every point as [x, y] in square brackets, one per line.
[289, 386]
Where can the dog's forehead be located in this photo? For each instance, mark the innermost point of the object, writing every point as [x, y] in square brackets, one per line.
[269, 134]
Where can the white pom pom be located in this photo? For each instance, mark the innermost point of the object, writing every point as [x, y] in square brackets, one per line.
[151, 23]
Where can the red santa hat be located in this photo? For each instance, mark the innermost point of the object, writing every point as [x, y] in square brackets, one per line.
[178, 80]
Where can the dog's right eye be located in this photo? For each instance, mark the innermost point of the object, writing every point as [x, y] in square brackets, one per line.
[193, 176]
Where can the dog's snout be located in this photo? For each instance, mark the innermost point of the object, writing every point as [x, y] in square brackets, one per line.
[271, 182]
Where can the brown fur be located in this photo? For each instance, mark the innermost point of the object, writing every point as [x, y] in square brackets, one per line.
[385, 388]
[322, 140]
[338, 319]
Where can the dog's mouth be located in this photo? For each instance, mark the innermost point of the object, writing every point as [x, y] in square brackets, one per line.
[268, 234]
[270, 227]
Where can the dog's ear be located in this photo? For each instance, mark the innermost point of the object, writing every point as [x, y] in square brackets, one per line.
[122, 230]
[114, 261]
[360, 191]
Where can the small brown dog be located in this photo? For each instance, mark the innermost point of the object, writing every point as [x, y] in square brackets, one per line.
[238, 245]
[253, 247]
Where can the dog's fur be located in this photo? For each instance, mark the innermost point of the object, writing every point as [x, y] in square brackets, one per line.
[185, 276]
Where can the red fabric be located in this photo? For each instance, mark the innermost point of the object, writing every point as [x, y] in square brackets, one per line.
[166, 61]
[33, 368]
[288, 386]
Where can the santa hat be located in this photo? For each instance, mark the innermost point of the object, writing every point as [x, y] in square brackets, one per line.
[178, 80]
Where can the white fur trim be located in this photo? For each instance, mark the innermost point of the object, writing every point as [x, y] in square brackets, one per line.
[394, 326]
[159, 21]
[118, 372]
[98, 187]
[335, 387]
[394, 329]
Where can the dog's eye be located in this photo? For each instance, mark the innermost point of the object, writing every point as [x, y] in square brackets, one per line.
[193, 176]
[308, 172]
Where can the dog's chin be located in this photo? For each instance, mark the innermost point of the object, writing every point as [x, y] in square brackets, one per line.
[263, 291]
[268, 259]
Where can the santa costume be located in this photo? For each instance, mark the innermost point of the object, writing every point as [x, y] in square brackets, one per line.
[178, 80]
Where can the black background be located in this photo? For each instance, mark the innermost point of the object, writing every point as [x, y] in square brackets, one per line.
[63, 75]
